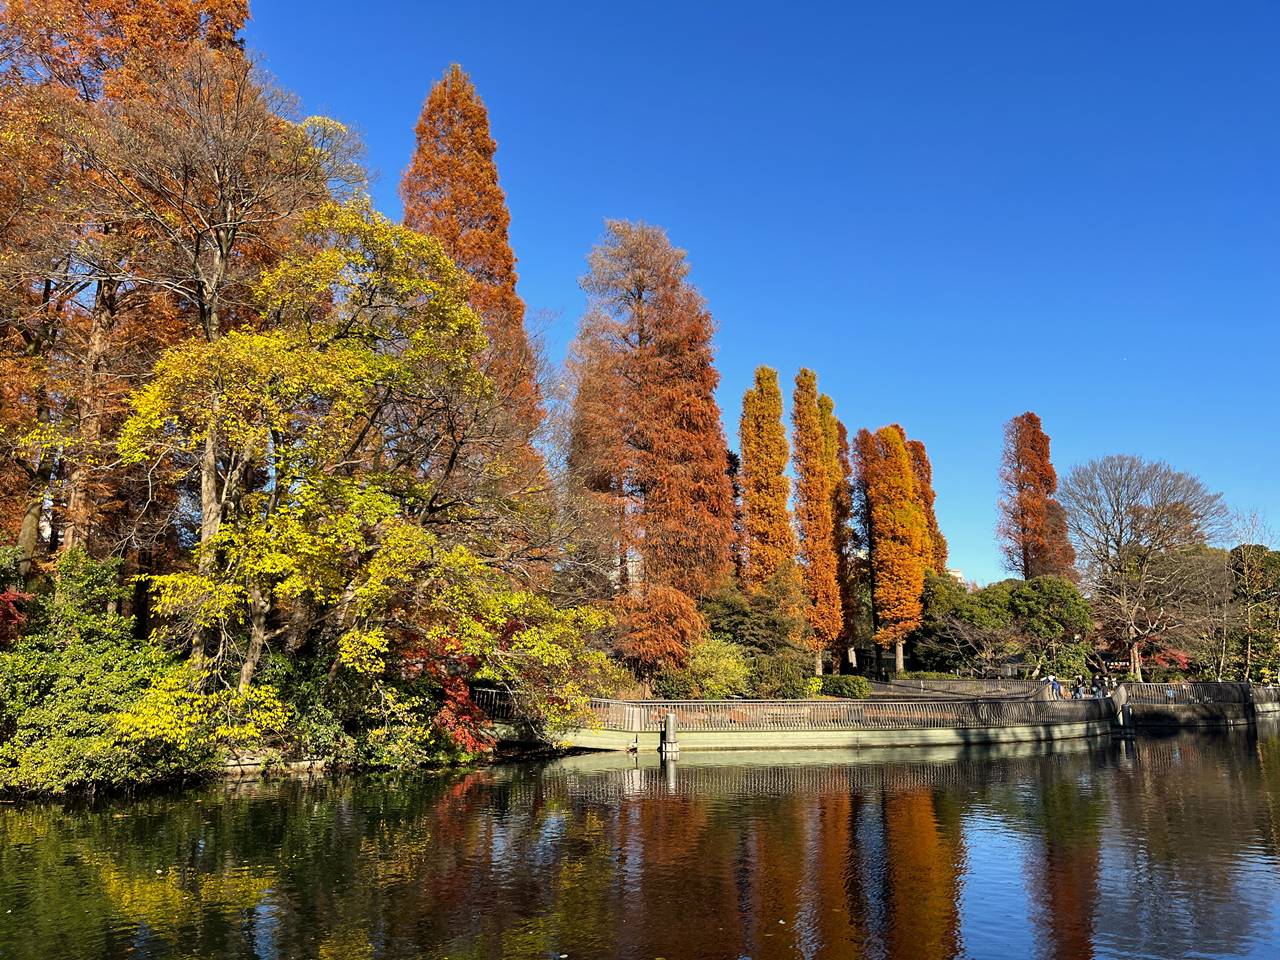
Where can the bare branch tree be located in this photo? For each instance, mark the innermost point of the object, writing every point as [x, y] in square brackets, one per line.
[1139, 530]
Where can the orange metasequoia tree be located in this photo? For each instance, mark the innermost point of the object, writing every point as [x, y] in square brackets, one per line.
[451, 191]
[935, 554]
[647, 438]
[769, 540]
[657, 628]
[897, 535]
[813, 515]
[840, 472]
[1032, 526]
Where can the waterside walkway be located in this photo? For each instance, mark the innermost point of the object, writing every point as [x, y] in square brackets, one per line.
[1013, 714]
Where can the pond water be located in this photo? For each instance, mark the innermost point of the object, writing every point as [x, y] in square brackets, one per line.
[1157, 848]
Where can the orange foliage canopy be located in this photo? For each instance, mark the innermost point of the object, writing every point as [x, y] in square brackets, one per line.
[840, 472]
[897, 531]
[770, 539]
[657, 628]
[647, 436]
[73, 343]
[1032, 525]
[451, 191]
[936, 547]
[813, 512]
[78, 44]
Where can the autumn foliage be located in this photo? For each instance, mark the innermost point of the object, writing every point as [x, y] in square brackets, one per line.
[657, 628]
[647, 437]
[451, 191]
[897, 532]
[1032, 526]
[769, 539]
[844, 536]
[813, 513]
[936, 546]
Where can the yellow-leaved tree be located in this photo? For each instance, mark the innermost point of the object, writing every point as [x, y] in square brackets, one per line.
[354, 496]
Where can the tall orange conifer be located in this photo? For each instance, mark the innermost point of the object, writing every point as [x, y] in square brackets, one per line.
[451, 191]
[897, 535]
[647, 431]
[936, 546]
[840, 473]
[813, 514]
[770, 541]
[1032, 524]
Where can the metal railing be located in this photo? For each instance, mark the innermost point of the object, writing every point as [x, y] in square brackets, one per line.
[496, 703]
[991, 689]
[882, 713]
[1186, 693]
[757, 715]
[1269, 694]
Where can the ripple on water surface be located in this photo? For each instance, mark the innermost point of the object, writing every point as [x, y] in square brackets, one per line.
[1161, 848]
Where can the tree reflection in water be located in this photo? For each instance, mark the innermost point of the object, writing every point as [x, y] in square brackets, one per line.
[1160, 848]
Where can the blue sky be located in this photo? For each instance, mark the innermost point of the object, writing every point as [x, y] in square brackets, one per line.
[953, 212]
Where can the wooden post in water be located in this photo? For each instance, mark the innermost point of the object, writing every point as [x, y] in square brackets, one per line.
[670, 746]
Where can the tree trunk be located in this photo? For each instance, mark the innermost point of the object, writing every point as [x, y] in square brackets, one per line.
[92, 404]
[817, 663]
[1135, 662]
[29, 531]
[37, 489]
[259, 609]
[899, 665]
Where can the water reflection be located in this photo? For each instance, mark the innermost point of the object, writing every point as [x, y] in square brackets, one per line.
[1158, 848]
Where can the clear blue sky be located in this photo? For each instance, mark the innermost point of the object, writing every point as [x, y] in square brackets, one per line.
[954, 212]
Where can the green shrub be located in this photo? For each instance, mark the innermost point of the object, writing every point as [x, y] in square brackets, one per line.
[766, 621]
[85, 705]
[928, 675]
[849, 687]
[716, 669]
[784, 676]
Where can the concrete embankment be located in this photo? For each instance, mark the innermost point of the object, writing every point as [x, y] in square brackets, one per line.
[711, 725]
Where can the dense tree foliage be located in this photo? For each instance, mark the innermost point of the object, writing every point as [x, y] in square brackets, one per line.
[814, 486]
[266, 457]
[1032, 526]
[935, 557]
[769, 542]
[279, 477]
[451, 192]
[1041, 624]
[897, 535]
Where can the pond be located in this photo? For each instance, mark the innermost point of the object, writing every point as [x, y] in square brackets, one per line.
[1156, 848]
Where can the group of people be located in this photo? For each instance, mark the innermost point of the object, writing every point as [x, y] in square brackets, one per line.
[1081, 687]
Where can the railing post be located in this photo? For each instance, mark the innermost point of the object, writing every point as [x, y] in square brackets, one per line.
[670, 746]
[1124, 714]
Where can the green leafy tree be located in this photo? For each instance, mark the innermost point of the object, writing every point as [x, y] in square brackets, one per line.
[716, 669]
